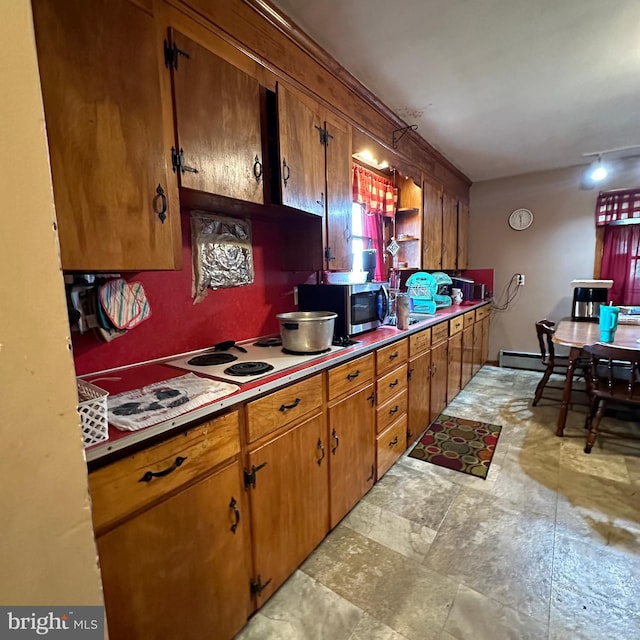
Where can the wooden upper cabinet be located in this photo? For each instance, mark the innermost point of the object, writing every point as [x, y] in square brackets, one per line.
[217, 112]
[338, 251]
[432, 225]
[302, 153]
[449, 231]
[409, 222]
[463, 235]
[116, 200]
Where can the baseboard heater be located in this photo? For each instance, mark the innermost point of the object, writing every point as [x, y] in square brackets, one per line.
[520, 360]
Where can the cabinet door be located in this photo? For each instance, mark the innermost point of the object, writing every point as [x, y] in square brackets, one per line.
[100, 74]
[432, 220]
[477, 347]
[467, 356]
[352, 443]
[485, 341]
[181, 568]
[449, 231]
[419, 395]
[302, 157]
[463, 235]
[338, 251]
[289, 503]
[438, 379]
[217, 110]
[454, 366]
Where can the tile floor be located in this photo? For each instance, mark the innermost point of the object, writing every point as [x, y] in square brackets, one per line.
[547, 547]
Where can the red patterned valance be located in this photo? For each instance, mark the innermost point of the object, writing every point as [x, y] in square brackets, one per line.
[615, 206]
[376, 193]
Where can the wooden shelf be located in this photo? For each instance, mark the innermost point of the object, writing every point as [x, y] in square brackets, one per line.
[407, 239]
[407, 211]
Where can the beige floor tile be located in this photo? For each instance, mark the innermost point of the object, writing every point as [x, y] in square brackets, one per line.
[576, 616]
[596, 571]
[601, 463]
[404, 536]
[303, 609]
[476, 617]
[498, 551]
[371, 629]
[402, 594]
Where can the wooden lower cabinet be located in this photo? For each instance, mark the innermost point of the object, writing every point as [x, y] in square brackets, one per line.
[419, 380]
[181, 568]
[289, 501]
[352, 447]
[484, 352]
[454, 366]
[467, 356]
[438, 379]
[391, 444]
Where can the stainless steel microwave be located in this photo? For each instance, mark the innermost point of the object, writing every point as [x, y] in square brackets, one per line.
[360, 307]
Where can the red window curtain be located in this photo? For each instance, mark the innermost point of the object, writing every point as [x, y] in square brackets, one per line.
[378, 195]
[621, 263]
[613, 206]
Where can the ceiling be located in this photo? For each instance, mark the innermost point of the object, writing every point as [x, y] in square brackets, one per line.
[499, 87]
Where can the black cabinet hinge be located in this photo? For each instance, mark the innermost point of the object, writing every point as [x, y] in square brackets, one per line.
[171, 53]
[178, 163]
[250, 476]
[257, 586]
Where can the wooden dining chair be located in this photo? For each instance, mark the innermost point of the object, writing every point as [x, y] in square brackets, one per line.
[613, 376]
[552, 362]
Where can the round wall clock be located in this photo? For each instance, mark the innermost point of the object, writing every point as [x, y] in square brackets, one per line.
[520, 219]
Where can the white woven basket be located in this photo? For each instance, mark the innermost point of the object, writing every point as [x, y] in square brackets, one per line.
[92, 407]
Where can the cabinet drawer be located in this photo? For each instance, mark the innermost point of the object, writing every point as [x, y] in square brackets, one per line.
[350, 376]
[456, 325]
[419, 342]
[391, 384]
[483, 312]
[390, 410]
[282, 407]
[392, 356]
[390, 445]
[469, 318]
[439, 333]
[127, 485]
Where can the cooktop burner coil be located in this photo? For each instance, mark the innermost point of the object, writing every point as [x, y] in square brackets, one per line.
[269, 342]
[210, 359]
[305, 353]
[248, 368]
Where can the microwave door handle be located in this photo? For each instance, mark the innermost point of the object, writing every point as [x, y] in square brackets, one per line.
[385, 305]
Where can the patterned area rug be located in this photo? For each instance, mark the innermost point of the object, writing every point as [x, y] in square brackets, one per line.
[459, 444]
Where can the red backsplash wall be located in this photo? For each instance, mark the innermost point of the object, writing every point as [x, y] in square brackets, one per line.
[177, 325]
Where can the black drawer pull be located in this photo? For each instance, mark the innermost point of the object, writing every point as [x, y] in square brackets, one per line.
[393, 356]
[354, 375]
[150, 475]
[394, 410]
[393, 384]
[233, 506]
[293, 405]
[394, 442]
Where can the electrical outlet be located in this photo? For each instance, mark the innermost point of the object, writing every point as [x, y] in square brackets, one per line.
[521, 279]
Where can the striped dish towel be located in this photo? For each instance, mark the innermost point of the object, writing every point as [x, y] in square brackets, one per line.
[125, 303]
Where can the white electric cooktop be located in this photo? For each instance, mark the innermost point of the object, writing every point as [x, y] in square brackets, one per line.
[273, 356]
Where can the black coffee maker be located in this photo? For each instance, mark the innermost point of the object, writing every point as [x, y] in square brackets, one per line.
[588, 295]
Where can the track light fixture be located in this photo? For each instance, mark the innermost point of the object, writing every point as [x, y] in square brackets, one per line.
[598, 170]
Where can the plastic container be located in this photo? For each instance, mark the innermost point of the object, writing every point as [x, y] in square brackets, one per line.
[92, 407]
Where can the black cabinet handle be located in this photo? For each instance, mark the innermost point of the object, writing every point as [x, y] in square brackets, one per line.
[162, 214]
[321, 201]
[394, 410]
[285, 178]
[257, 169]
[293, 405]
[354, 375]
[393, 356]
[150, 475]
[320, 446]
[394, 442]
[334, 435]
[372, 399]
[393, 384]
[409, 373]
[233, 505]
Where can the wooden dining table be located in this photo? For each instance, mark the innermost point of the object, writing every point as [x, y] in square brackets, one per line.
[576, 335]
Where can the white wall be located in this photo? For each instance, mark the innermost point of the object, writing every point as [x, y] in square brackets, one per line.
[47, 549]
[557, 248]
